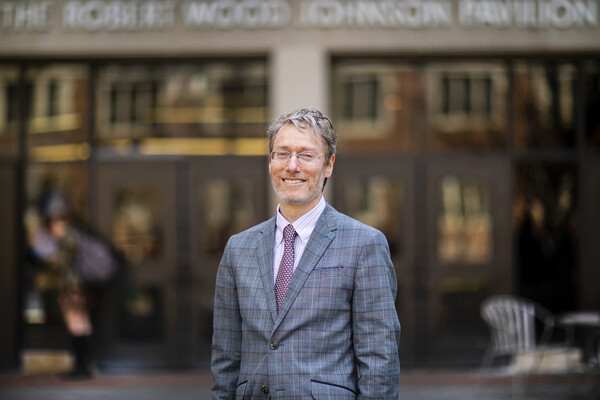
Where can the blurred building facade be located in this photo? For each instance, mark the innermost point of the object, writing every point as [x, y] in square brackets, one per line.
[469, 134]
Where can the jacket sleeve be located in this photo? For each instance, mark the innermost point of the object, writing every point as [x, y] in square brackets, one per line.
[227, 331]
[375, 325]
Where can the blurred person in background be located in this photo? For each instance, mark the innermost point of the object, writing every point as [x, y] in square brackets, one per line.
[304, 302]
[79, 264]
[73, 301]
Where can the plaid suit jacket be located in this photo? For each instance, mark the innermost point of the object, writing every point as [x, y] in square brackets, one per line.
[337, 333]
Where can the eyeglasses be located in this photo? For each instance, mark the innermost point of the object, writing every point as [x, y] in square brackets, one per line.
[303, 158]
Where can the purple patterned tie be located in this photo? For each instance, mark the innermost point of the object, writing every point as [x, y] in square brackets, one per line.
[286, 268]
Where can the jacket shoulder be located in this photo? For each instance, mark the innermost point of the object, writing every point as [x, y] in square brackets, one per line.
[253, 233]
[347, 223]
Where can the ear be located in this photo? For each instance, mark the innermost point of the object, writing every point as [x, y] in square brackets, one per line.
[329, 166]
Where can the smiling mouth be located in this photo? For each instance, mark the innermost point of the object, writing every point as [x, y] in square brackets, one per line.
[293, 180]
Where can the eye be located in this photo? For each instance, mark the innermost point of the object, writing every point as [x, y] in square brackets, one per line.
[281, 155]
[308, 157]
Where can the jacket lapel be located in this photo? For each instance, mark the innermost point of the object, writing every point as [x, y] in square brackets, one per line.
[319, 241]
[265, 259]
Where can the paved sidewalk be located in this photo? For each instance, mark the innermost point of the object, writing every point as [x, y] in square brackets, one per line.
[415, 385]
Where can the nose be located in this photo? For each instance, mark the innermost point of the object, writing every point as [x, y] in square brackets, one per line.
[293, 162]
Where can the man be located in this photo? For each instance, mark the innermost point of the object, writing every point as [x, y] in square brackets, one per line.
[304, 302]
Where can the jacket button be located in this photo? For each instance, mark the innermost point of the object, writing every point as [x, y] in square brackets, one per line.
[264, 389]
[274, 345]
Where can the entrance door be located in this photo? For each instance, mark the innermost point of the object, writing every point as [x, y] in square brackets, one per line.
[171, 221]
[468, 236]
[448, 223]
[136, 209]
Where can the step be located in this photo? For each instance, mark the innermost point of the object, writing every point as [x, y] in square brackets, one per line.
[46, 361]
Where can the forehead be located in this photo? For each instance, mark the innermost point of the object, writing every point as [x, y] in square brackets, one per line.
[290, 136]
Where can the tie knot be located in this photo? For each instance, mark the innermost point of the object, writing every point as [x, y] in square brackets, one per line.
[289, 233]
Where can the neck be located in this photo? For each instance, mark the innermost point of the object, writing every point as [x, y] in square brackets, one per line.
[292, 212]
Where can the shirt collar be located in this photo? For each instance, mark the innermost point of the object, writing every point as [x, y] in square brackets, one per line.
[303, 225]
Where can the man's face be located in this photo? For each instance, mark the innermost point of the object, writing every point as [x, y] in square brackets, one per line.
[296, 183]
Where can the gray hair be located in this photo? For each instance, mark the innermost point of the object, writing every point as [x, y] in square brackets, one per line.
[306, 120]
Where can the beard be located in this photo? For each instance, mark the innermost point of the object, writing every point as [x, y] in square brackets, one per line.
[301, 195]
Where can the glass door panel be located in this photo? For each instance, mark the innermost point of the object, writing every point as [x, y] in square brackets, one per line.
[228, 196]
[136, 210]
[468, 257]
[546, 219]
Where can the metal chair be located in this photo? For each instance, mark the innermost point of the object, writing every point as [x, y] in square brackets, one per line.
[513, 323]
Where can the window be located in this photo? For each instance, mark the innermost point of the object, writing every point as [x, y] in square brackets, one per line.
[9, 111]
[465, 95]
[466, 105]
[370, 105]
[131, 103]
[11, 101]
[361, 96]
[56, 97]
[544, 105]
[392, 106]
[53, 100]
[217, 99]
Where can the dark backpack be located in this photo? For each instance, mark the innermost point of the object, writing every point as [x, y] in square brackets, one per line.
[95, 261]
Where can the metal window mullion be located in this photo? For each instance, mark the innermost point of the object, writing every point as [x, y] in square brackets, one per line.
[20, 201]
[90, 134]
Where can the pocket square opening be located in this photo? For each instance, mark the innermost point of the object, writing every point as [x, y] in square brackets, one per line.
[337, 267]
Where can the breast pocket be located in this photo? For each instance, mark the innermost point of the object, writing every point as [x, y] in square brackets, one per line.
[330, 286]
[324, 390]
